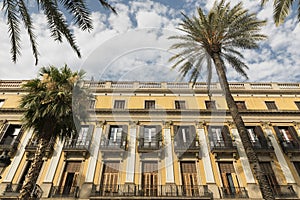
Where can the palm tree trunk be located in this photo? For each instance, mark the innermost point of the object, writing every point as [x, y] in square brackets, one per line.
[34, 170]
[264, 185]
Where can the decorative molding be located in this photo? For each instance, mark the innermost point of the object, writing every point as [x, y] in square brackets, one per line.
[200, 125]
[231, 124]
[265, 125]
[167, 124]
[100, 124]
[133, 124]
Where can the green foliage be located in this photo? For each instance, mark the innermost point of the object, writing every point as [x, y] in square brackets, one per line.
[55, 103]
[16, 12]
[282, 9]
[222, 30]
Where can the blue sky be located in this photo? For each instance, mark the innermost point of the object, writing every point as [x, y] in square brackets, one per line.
[133, 45]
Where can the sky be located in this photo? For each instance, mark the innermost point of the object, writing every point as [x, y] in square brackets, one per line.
[134, 45]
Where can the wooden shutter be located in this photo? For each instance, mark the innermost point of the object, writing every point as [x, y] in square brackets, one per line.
[228, 176]
[158, 133]
[261, 136]
[110, 177]
[226, 134]
[150, 178]
[279, 136]
[73, 167]
[189, 178]
[294, 134]
[3, 131]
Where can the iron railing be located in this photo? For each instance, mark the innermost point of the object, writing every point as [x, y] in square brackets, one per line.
[64, 191]
[290, 147]
[151, 190]
[77, 144]
[284, 191]
[33, 143]
[233, 192]
[109, 144]
[149, 146]
[13, 188]
[189, 146]
[220, 145]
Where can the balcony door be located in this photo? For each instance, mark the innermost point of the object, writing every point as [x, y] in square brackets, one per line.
[70, 178]
[110, 175]
[10, 133]
[220, 137]
[229, 179]
[266, 167]
[189, 178]
[150, 178]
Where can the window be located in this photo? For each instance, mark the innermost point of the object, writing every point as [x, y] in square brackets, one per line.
[184, 136]
[297, 104]
[210, 104]
[117, 135]
[149, 104]
[150, 137]
[119, 104]
[180, 105]
[219, 136]
[10, 134]
[1, 102]
[287, 135]
[229, 178]
[70, 178]
[241, 105]
[189, 178]
[297, 166]
[110, 176]
[271, 105]
[25, 172]
[150, 178]
[257, 137]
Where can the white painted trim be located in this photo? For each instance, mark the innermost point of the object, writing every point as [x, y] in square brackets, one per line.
[54, 161]
[243, 157]
[94, 155]
[282, 162]
[130, 167]
[168, 156]
[18, 157]
[209, 175]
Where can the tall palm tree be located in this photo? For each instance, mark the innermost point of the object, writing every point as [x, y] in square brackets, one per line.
[282, 9]
[212, 40]
[16, 12]
[54, 106]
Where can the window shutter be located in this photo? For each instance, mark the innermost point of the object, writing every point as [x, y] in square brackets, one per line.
[73, 167]
[294, 134]
[260, 134]
[158, 133]
[278, 133]
[124, 134]
[192, 133]
[226, 134]
[107, 135]
[3, 131]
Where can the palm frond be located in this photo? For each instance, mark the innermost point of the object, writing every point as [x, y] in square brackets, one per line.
[281, 10]
[105, 4]
[80, 13]
[13, 22]
[28, 25]
[58, 25]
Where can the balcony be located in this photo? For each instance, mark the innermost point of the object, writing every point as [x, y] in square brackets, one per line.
[223, 148]
[291, 147]
[77, 146]
[191, 147]
[284, 191]
[64, 191]
[109, 147]
[12, 191]
[233, 192]
[157, 191]
[262, 149]
[33, 144]
[152, 146]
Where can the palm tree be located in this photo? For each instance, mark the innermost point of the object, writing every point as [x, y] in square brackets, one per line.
[282, 9]
[214, 39]
[17, 11]
[50, 110]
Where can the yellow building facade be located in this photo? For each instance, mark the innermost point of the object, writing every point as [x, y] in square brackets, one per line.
[160, 140]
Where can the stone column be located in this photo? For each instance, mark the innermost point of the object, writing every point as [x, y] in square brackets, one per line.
[89, 177]
[209, 175]
[168, 153]
[130, 167]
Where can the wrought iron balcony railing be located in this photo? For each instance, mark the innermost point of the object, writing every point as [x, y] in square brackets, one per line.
[149, 146]
[257, 146]
[13, 188]
[77, 144]
[290, 147]
[233, 192]
[220, 145]
[189, 146]
[64, 191]
[33, 143]
[284, 191]
[151, 190]
[111, 145]
[9, 144]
